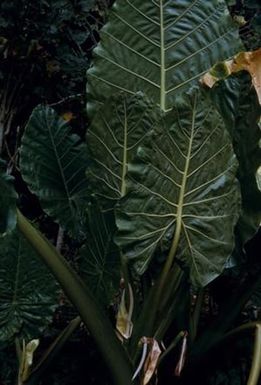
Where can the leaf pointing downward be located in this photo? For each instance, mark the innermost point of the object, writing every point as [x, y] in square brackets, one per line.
[183, 193]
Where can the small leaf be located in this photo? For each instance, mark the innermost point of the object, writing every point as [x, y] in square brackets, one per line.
[8, 198]
[53, 163]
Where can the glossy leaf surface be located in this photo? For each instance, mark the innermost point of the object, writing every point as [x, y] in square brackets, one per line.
[28, 291]
[160, 47]
[53, 164]
[117, 130]
[183, 193]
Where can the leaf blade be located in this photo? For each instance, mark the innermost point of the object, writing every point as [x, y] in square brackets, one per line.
[182, 200]
[160, 48]
[53, 165]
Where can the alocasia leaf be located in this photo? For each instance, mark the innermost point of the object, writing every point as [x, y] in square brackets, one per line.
[183, 193]
[53, 163]
[116, 131]
[28, 291]
[160, 47]
[100, 256]
[238, 104]
[8, 198]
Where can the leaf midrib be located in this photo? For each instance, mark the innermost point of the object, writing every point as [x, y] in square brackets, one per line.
[60, 168]
[162, 60]
[179, 221]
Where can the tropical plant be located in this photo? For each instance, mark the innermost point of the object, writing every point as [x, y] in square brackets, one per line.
[161, 200]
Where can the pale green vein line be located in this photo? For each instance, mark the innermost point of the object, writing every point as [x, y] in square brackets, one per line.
[104, 145]
[208, 160]
[204, 142]
[197, 52]
[131, 49]
[136, 30]
[205, 216]
[111, 84]
[148, 235]
[174, 22]
[209, 181]
[205, 236]
[190, 248]
[143, 14]
[110, 130]
[138, 141]
[104, 181]
[208, 199]
[107, 169]
[167, 158]
[162, 61]
[165, 175]
[149, 215]
[175, 43]
[129, 71]
[154, 193]
[176, 145]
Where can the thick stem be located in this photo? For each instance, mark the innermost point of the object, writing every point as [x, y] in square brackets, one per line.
[94, 319]
[255, 370]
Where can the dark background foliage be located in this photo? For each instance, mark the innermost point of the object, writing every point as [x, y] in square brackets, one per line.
[45, 50]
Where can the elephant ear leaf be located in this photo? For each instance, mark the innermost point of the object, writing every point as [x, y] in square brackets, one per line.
[160, 47]
[28, 291]
[116, 131]
[53, 163]
[238, 104]
[8, 198]
[183, 193]
[100, 256]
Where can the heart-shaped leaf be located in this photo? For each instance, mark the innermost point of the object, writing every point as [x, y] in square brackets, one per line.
[53, 163]
[184, 195]
[160, 47]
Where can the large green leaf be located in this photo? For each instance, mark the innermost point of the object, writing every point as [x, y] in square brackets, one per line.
[117, 130]
[238, 104]
[28, 292]
[8, 198]
[160, 47]
[53, 164]
[100, 257]
[183, 193]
